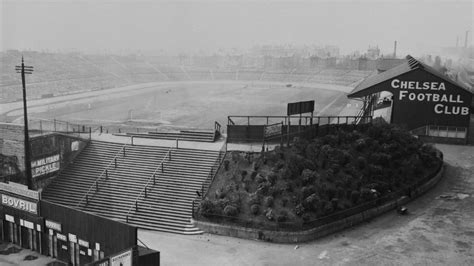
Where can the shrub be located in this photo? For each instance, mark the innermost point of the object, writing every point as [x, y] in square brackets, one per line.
[335, 203]
[365, 194]
[308, 176]
[254, 198]
[308, 190]
[311, 203]
[282, 216]
[207, 207]
[260, 179]
[243, 174]
[263, 188]
[220, 193]
[235, 156]
[269, 214]
[299, 209]
[328, 209]
[230, 210]
[361, 162]
[255, 209]
[253, 175]
[306, 217]
[268, 201]
[271, 178]
[284, 202]
[226, 165]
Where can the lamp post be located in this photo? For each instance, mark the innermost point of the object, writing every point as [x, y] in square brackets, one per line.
[26, 70]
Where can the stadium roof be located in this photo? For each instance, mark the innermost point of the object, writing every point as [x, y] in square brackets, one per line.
[366, 87]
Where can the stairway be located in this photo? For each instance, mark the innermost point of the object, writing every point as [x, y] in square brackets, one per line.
[168, 203]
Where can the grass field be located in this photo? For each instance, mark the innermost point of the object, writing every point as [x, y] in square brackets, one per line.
[184, 105]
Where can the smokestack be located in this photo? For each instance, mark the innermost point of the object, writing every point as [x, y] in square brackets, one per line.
[465, 41]
[395, 50]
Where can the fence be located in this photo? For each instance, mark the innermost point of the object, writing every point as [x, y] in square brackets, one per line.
[251, 128]
[304, 225]
[44, 126]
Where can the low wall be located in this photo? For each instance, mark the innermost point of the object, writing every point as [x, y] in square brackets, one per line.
[311, 234]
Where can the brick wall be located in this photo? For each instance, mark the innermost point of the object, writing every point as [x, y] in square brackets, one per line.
[12, 142]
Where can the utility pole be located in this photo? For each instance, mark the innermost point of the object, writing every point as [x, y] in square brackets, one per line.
[26, 70]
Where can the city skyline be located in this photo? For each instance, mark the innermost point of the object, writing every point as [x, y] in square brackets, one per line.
[195, 26]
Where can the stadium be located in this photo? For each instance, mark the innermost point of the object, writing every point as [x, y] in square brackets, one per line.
[165, 148]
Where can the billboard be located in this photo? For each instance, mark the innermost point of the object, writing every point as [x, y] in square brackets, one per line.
[300, 107]
[272, 130]
[45, 165]
[421, 99]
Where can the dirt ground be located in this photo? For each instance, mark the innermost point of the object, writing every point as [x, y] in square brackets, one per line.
[179, 104]
[439, 230]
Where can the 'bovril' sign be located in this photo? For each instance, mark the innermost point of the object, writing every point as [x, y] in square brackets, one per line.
[447, 103]
[19, 204]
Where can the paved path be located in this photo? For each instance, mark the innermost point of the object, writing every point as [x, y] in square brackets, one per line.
[438, 231]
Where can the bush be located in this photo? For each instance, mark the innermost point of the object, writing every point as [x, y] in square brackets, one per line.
[220, 193]
[311, 203]
[253, 175]
[308, 176]
[308, 190]
[282, 216]
[355, 196]
[255, 209]
[260, 179]
[269, 214]
[254, 198]
[263, 188]
[271, 178]
[207, 207]
[284, 202]
[306, 217]
[243, 174]
[268, 201]
[299, 209]
[226, 165]
[230, 210]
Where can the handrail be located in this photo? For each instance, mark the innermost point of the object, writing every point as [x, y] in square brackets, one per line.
[217, 126]
[217, 164]
[135, 202]
[96, 184]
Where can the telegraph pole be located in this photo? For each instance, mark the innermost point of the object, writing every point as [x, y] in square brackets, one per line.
[26, 70]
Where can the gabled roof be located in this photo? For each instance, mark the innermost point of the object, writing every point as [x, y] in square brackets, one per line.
[384, 64]
[410, 65]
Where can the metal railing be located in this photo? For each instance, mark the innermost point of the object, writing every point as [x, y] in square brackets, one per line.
[44, 126]
[296, 120]
[152, 178]
[217, 127]
[105, 171]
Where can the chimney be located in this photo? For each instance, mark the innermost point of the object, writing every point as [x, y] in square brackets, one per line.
[395, 50]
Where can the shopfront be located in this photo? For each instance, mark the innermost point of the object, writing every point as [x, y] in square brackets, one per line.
[21, 223]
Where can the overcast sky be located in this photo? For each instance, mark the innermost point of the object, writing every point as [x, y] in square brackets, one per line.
[193, 25]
